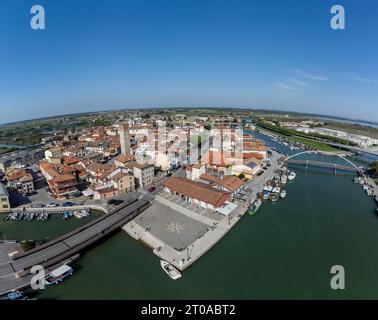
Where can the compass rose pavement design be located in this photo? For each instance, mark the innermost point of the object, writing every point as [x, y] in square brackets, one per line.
[175, 227]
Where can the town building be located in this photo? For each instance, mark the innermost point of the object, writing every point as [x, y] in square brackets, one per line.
[124, 137]
[19, 180]
[4, 199]
[54, 155]
[229, 184]
[196, 192]
[121, 160]
[143, 173]
[123, 180]
[61, 179]
[193, 172]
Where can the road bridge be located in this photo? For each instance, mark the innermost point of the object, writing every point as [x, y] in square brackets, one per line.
[15, 272]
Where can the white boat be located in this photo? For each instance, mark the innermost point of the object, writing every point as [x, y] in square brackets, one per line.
[292, 175]
[170, 270]
[283, 179]
[283, 194]
[268, 188]
[84, 213]
[58, 275]
[77, 214]
[276, 190]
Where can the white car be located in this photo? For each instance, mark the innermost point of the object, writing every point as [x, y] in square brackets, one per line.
[51, 205]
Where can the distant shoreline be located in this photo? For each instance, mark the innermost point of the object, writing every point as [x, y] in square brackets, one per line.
[293, 113]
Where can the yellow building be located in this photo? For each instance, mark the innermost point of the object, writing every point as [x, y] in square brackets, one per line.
[124, 182]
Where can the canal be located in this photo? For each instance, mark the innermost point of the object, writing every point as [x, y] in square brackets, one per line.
[285, 251]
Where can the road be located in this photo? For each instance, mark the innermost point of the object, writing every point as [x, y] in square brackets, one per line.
[54, 252]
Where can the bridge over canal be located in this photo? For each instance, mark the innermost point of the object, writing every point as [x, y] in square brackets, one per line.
[15, 271]
[323, 159]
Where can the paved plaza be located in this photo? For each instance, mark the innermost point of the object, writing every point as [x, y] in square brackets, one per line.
[170, 226]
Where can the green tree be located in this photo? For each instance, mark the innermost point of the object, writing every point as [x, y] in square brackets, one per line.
[242, 176]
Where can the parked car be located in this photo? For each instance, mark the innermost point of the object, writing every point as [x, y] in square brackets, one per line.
[51, 205]
[115, 202]
[151, 189]
[37, 205]
[68, 204]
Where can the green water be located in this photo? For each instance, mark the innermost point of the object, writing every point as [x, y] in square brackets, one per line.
[41, 230]
[284, 252]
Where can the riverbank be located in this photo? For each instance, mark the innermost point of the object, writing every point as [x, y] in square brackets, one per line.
[310, 143]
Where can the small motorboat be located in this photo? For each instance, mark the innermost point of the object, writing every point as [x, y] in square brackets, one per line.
[292, 175]
[170, 270]
[283, 194]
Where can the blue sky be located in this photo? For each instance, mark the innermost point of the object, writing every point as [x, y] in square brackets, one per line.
[110, 54]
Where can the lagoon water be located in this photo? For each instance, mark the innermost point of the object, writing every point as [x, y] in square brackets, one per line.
[286, 251]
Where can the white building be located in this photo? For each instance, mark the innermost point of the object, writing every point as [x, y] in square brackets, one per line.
[143, 173]
[4, 199]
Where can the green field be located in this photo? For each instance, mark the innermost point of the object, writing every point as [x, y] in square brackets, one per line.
[321, 146]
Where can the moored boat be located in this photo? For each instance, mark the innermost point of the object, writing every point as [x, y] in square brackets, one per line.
[254, 207]
[274, 197]
[58, 275]
[292, 175]
[170, 270]
[283, 194]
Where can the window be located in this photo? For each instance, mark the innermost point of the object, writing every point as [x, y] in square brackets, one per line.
[5, 206]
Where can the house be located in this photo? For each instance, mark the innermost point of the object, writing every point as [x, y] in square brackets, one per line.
[193, 172]
[249, 167]
[20, 180]
[105, 193]
[4, 199]
[122, 180]
[143, 173]
[229, 184]
[196, 192]
[121, 160]
[54, 155]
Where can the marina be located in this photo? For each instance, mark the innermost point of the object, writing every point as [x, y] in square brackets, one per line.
[44, 216]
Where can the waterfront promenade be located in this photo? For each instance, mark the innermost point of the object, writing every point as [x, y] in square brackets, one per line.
[182, 259]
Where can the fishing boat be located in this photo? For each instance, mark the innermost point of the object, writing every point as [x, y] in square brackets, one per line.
[254, 207]
[292, 175]
[170, 270]
[58, 275]
[283, 194]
